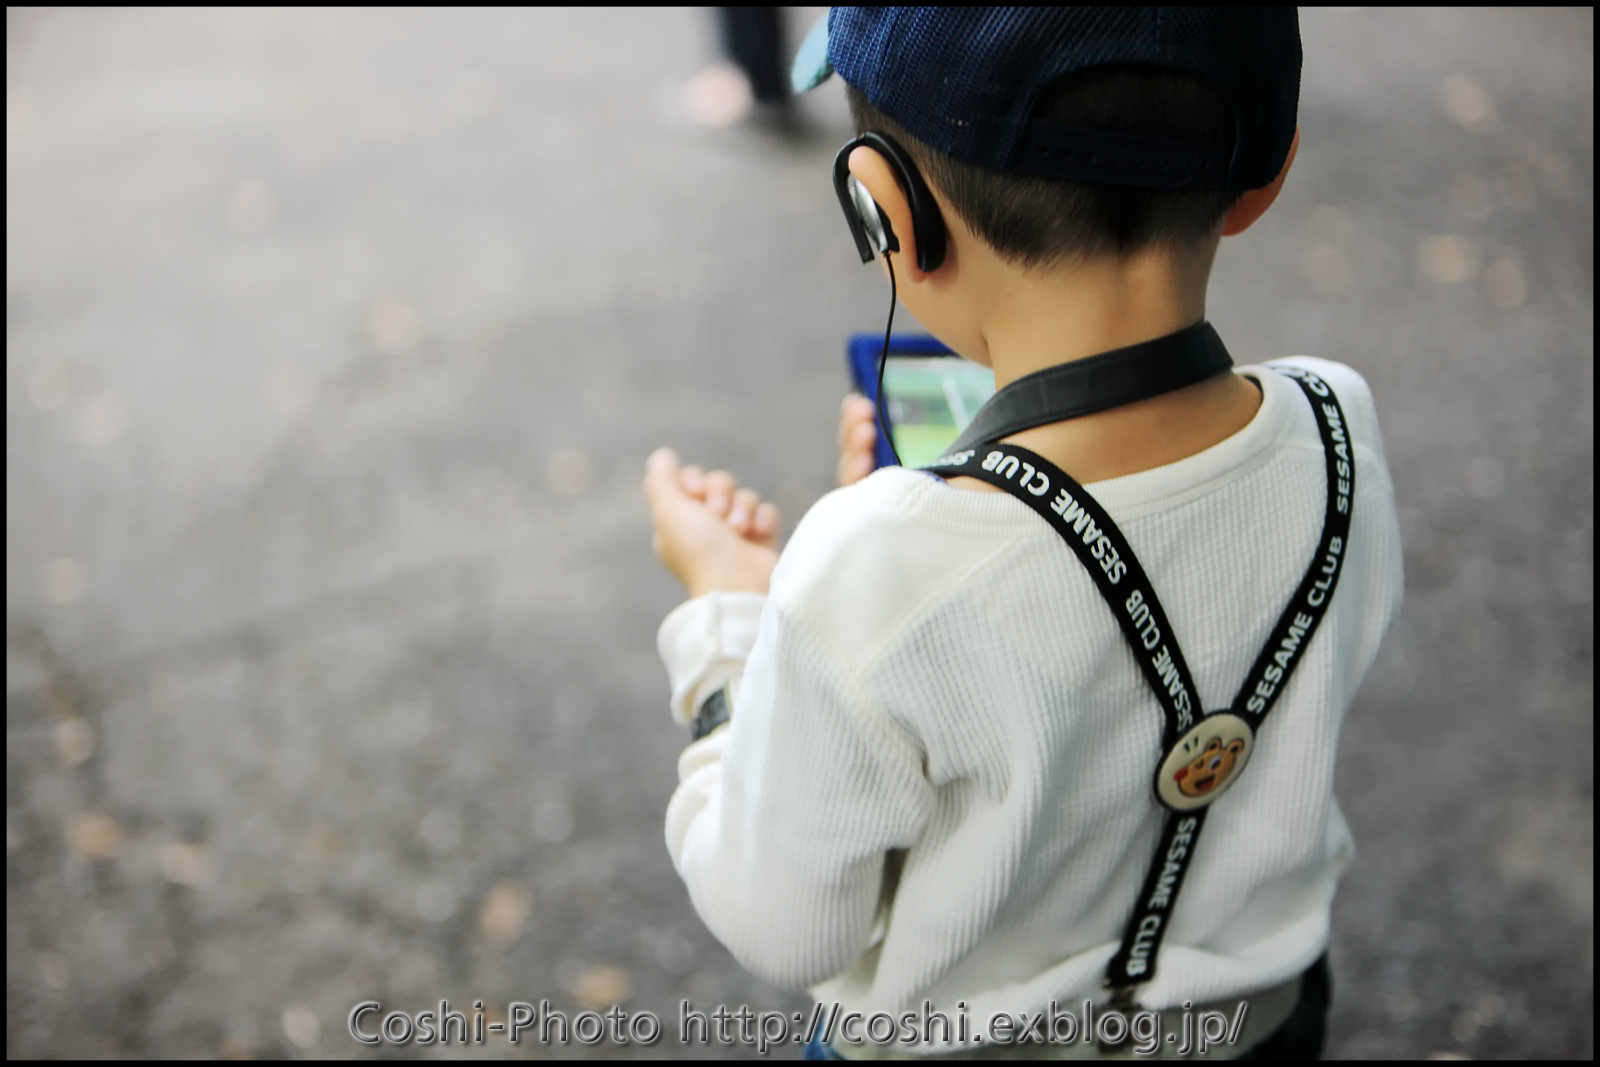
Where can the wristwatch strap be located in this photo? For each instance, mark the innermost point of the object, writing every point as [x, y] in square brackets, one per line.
[714, 711]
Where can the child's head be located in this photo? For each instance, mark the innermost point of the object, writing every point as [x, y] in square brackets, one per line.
[1039, 222]
[1114, 143]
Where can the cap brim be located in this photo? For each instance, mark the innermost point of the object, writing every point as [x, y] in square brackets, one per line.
[811, 64]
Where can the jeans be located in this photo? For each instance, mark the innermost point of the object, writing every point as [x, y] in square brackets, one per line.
[1302, 1033]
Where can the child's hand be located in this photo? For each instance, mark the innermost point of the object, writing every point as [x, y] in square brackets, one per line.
[710, 533]
[858, 432]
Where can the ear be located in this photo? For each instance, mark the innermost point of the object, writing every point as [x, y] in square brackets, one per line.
[870, 169]
[1254, 203]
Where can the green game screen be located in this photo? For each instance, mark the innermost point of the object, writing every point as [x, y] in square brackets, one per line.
[930, 401]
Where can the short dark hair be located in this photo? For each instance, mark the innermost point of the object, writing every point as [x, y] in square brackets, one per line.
[1042, 221]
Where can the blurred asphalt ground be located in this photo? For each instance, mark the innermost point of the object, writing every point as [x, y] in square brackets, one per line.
[335, 342]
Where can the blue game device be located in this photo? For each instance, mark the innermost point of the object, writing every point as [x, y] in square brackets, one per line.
[931, 393]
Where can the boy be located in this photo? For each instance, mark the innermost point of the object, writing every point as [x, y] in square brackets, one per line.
[922, 779]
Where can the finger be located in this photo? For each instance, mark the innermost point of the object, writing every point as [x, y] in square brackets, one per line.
[846, 471]
[743, 511]
[845, 421]
[764, 528]
[856, 460]
[863, 437]
[719, 492]
[852, 411]
[693, 480]
[863, 411]
[661, 486]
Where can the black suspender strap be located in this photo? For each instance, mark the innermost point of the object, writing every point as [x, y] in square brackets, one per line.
[1202, 753]
[1300, 619]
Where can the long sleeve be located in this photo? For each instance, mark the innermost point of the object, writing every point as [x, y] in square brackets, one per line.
[781, 823]
[704, 643]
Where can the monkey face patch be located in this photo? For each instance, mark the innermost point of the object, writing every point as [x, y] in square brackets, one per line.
[1204, 762]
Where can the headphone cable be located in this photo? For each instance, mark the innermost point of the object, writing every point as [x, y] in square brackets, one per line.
[883, 362]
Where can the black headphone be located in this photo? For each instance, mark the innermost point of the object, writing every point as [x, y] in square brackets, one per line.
[869, 225]
[873, 233]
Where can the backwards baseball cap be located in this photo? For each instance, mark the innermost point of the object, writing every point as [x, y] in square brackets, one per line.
[965, 80]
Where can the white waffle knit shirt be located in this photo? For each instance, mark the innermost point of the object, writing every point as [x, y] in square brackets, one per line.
[935, 672]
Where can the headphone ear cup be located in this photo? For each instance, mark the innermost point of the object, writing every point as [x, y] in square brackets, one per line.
[869, 225]
[876, 224]
[927, 223]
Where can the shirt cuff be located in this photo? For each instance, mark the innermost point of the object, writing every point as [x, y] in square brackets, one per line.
[704, 643]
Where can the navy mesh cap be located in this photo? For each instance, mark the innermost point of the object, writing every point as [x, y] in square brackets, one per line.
[965, 80]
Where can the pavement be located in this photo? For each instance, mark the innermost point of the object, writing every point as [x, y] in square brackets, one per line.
[335, 342]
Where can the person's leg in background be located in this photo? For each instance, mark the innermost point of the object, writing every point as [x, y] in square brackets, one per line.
[753, 38]
[750, 82]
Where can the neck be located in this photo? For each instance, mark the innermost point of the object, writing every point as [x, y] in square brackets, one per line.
[1027, 321]
[1038, 319]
